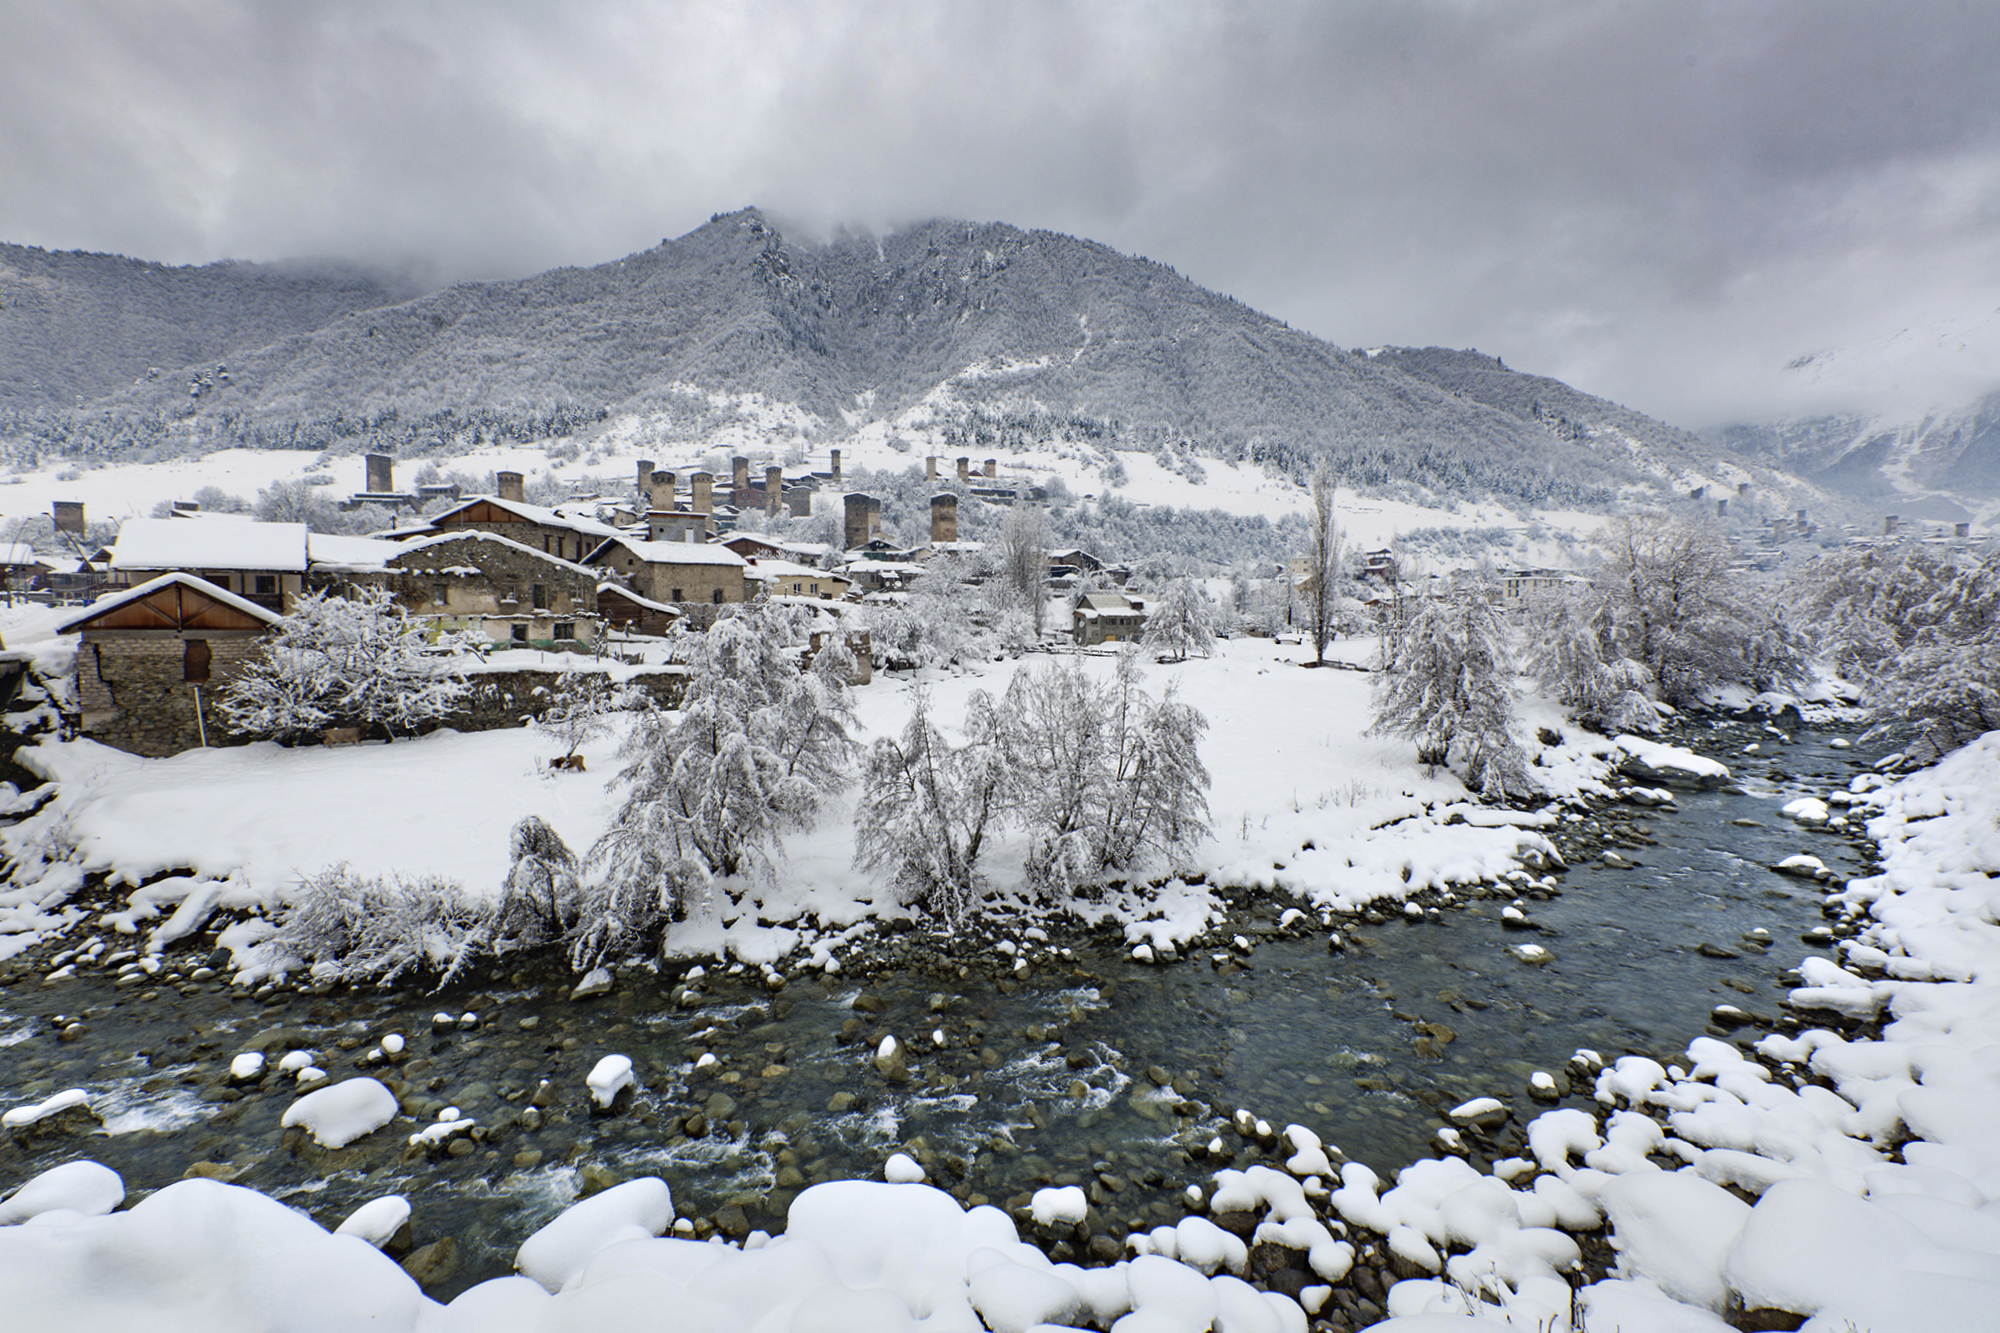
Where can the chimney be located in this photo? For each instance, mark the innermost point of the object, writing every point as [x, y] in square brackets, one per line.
[774, 490]
[739, 468]
[69, 516]
[1743, 488]
[1889, 522]
[701, 492]
[992, 469]
[930, 468]
[965, 469]
[646, 482]
[662, 491]
[1722, 507]
[1802, 516]
[510, 487]
[1961, 530]
[944, 518]
[863, 519]
[836, 465]
[381, 474]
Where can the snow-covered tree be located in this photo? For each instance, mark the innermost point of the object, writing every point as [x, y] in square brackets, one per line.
[356, 659]
[1024, 561]
[579, 710]
[1322, 577]
[350, 927]
[1182, 622]
[538, 901]
[755, 748]
[1446, 680]
[1572, 656]
[1679, 610]
[927, 806]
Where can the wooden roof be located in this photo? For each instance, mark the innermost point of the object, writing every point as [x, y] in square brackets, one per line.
[177, 603]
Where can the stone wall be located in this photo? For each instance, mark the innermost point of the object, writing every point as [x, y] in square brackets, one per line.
[509, 698]
[134, 698]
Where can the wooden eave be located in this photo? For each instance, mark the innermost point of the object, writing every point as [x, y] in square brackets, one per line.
[175, 609]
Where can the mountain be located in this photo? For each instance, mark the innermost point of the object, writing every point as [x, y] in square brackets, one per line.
[952, 334]
[1942, 464]
[75, 326]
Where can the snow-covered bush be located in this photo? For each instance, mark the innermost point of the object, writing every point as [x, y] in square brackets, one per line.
[355, 928]
[1182, 623]
[539, 902]
[755, 748]
[1573, 657]
[926, 808]
[357, 659]
[579, 710]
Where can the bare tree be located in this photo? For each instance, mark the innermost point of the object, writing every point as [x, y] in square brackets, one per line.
[1322, 584]
[1024, 560]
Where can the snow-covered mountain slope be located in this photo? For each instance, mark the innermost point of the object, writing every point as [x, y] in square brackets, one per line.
[945, 337]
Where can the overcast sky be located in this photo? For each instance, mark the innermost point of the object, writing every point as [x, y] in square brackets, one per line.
[1666, 203]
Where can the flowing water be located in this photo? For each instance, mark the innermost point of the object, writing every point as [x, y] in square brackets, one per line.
[1052, 1079]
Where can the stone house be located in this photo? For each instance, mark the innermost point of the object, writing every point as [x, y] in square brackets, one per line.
[152, 659]
[675, 573]
[556, 532]
[264, 563]
[1107, 617]
[480, 581]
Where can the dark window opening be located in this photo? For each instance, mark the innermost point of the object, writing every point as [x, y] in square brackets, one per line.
[194, 661]
[267, 585]
[565, 630]
[677, 596]
[520, 633]
[718, 597]
[541, 597]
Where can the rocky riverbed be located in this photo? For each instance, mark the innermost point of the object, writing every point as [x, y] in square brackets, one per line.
[1065, 1062]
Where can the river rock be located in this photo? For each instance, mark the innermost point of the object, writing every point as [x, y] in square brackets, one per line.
[434, 1263]
[595, 982]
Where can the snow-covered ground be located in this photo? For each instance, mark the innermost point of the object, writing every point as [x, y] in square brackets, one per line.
[1285, 750]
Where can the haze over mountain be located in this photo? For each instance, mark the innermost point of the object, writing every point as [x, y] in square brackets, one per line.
[947, 334]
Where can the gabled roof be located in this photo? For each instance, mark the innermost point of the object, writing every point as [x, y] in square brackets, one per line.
[181, 607]
[785, 569]
[553, 518]
[620, 590]
[166, 543]
[671, 553]
[325, 549]
[398, 550]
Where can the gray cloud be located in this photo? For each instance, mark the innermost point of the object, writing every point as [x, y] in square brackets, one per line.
[1659, 201]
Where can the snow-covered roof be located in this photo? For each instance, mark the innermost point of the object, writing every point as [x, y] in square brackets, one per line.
[785, 569]
[328, 549]
[554, 518]
[675, 553]
[19, 553]
[151, 586]
[621, 590]
[398, 549]
[165, 543]
[956, 548]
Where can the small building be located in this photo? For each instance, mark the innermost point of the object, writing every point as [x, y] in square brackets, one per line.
[152, 659]
[1519, 589]
[264, 563]
[782, 578]
[618, 606]
[22, 567]
[676, 573]
[1075, 559]
[555, 532]
[1107, 617]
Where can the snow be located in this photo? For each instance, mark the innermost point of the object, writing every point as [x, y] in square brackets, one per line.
[1672, 758]
[557, 1254]
[86, 1189]
[97, 608]
[1058, 1204]
[178, 543]
[902, 1169]
[338, 1115]
[378, 1220]
[682, 553]
[22, 1116]
[609, 1077]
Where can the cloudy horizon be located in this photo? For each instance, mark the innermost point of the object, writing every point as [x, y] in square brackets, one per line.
[1709, 212]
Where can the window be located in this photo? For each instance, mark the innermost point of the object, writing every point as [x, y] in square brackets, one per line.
[718, 597]
[565, 629]
[677, 596]
[520, 634]
[194, 662]
[541, 597]
[267, 585]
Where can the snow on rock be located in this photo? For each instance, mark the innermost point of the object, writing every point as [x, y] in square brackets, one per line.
[637, 1209]
[336, 1116]
[1058, 1205]
[378, 1220]
[1809, 810]
[1171, 1295]
[85, 1188]
[1012, 1297]
[1674, 1228]
[1309, 1156]
[22, 1116]
[1652, 761]
[903, 1169]
[1202, 1245]
[247, 1067]
[610, 1076]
